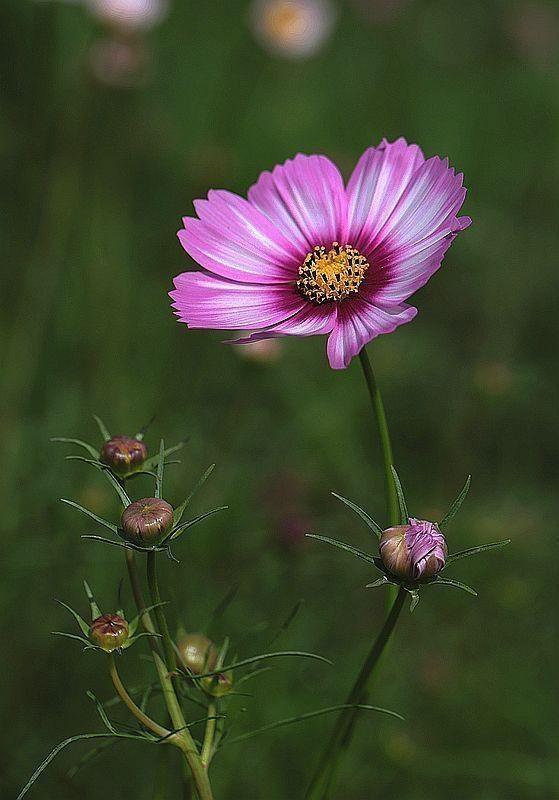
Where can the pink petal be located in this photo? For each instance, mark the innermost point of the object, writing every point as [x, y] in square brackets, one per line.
[305, 198]
[234, 240]
[375, 187]
[204, 301]
[403, 218]
[358, 322]
[309, 321]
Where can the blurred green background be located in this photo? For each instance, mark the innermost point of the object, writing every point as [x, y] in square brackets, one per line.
[106, 136]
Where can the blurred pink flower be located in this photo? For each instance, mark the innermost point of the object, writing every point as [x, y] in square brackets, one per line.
[292, 28]
[305, 255]
[129, 14]
[534, 28]
[264, 351]
[120, 63]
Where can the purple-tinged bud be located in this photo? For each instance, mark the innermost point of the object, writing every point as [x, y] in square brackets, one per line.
[109, 632]
[415, 551]
[123, 454]
[147, 522]
[198, 653]
[217, 685]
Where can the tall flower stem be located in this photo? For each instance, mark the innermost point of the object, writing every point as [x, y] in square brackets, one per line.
[384, 436]
[341, 736]
[327, 768]
[183, 738]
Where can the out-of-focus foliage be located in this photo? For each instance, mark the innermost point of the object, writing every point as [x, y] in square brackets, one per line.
[106, 136]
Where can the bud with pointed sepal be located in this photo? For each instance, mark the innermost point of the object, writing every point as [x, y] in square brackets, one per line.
[146, 522]
[109, 632]
[124, 454]
[414, 552]
[197, 653]
[217, 685]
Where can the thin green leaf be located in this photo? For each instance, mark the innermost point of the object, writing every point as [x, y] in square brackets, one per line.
[84, 627]
[90, 514]
[402, 505]
[102, 427]
[71, 636]
[222, 654]
[179, 511]
[80, 737]
[368, 520]
[287, 622]
[142, 432]
[472, 551]
[94, 608]
[93, 452]
[111, 477]
[160, 468]
[101, 711]
[414, 600]
[126, 545]
[310, 715]
[383, 581]
[343, 546]
[457, 584]
[455, 507]
[180, 529]
[280, 654]
[151, 463]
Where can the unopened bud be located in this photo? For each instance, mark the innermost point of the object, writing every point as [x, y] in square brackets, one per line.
[415, 551]
[109, 632]
[217, 685]
[147, 522]
[198, 653]
[123, 454]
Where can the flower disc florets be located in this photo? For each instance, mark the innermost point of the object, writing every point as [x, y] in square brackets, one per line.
[124, 454]
[331, 274]
[147, 522]
[109, 632]
[198, 653]
[414, 552]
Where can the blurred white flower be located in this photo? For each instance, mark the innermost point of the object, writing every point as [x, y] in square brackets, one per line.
[129, 14]
[292, 28]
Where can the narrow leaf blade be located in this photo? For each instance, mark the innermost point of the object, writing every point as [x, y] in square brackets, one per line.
[102, 428]
[90, 514]
[343, 546]
[361, 513]
[472, 551]
[179, 511]
[402, 505]
[455, 507]
[457, 584]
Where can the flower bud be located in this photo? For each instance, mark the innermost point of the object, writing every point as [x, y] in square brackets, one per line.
[217, 685]
[147, 522]
[198, 653]
[415, 551]
[109, 632]
[123, 454]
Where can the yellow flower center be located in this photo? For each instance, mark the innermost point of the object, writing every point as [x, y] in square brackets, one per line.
[331, 274]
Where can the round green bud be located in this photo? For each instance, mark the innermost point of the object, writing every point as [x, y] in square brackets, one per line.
[197, 653]
[147, 522]
[109, 632]
[123, 454]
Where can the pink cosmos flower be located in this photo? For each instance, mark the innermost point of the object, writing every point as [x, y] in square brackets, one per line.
[304, 255]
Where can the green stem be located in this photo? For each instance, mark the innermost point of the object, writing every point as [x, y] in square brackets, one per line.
[341, 735]
[319, 787]
[153, 584]
[384, 436]
[183, 738]
[207, 747]
[137, 712]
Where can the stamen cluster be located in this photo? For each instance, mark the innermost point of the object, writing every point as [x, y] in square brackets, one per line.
[331, 274]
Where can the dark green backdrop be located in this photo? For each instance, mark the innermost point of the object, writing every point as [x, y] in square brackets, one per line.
[94, 180]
